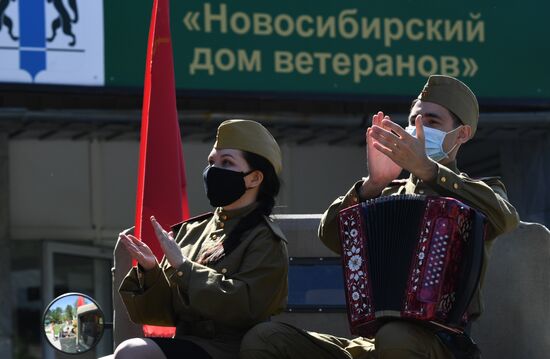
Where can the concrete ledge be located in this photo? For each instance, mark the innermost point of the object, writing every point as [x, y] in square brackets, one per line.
[123, 328]
[516, 320]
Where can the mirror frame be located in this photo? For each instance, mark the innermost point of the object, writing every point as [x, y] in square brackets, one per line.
[66, 295]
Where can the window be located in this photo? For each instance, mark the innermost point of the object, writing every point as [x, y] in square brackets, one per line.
[316, 284]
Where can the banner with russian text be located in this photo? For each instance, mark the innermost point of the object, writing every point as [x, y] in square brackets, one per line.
[348, 48]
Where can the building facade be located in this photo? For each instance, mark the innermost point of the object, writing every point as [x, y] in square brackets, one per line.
[70, 105]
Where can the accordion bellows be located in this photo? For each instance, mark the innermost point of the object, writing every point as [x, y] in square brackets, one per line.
[410, 257]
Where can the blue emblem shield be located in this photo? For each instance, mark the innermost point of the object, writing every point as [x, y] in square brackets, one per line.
[32, 40]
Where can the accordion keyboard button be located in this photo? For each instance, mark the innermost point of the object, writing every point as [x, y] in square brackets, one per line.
[443, 179]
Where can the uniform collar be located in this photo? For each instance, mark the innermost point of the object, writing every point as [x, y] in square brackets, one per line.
[451, 165]
[223, 222]
[221, 215]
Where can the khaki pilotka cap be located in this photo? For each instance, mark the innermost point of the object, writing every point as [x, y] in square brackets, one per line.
[455, 96]
[250, 136]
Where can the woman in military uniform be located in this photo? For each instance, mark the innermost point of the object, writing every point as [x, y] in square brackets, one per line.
[222, 272]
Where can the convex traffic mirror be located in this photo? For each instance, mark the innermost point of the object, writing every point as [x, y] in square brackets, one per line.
[73, 323]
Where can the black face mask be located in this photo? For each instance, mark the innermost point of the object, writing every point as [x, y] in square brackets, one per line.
[223, 186]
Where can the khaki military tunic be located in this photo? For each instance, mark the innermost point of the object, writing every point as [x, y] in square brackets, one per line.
[213, 306]
[398, 339]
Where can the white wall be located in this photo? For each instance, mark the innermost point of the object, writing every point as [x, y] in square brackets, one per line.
[49, 185]
[64, 189]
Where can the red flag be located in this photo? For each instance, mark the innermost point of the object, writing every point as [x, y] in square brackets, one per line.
[161, 178]
[80, 301]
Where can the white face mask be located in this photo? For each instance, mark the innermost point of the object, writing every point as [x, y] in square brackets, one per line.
[434, 141]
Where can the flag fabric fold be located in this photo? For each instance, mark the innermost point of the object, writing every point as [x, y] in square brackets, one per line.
[161, 189]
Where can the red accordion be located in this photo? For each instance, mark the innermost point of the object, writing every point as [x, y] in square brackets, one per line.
[410, 257]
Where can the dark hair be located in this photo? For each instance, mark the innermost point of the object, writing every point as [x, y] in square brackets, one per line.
[269, 188]
[456, 120]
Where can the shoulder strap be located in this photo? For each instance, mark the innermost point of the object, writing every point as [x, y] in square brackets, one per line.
[176, 227]
[275, 228]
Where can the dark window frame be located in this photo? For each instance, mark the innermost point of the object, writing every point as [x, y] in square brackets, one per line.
[316, 307]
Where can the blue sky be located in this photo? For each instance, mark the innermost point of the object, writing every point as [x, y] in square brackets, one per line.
[70, 299]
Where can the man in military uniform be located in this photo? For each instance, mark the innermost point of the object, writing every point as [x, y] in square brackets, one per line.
[442, 118]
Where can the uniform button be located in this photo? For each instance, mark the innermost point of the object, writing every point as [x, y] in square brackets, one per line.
[221, 224]
[443, 179]
[455, 186]
[224, 270]
[354, 198]
[223, 217]
[421, 191]
[213, 236]
[180, 274]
